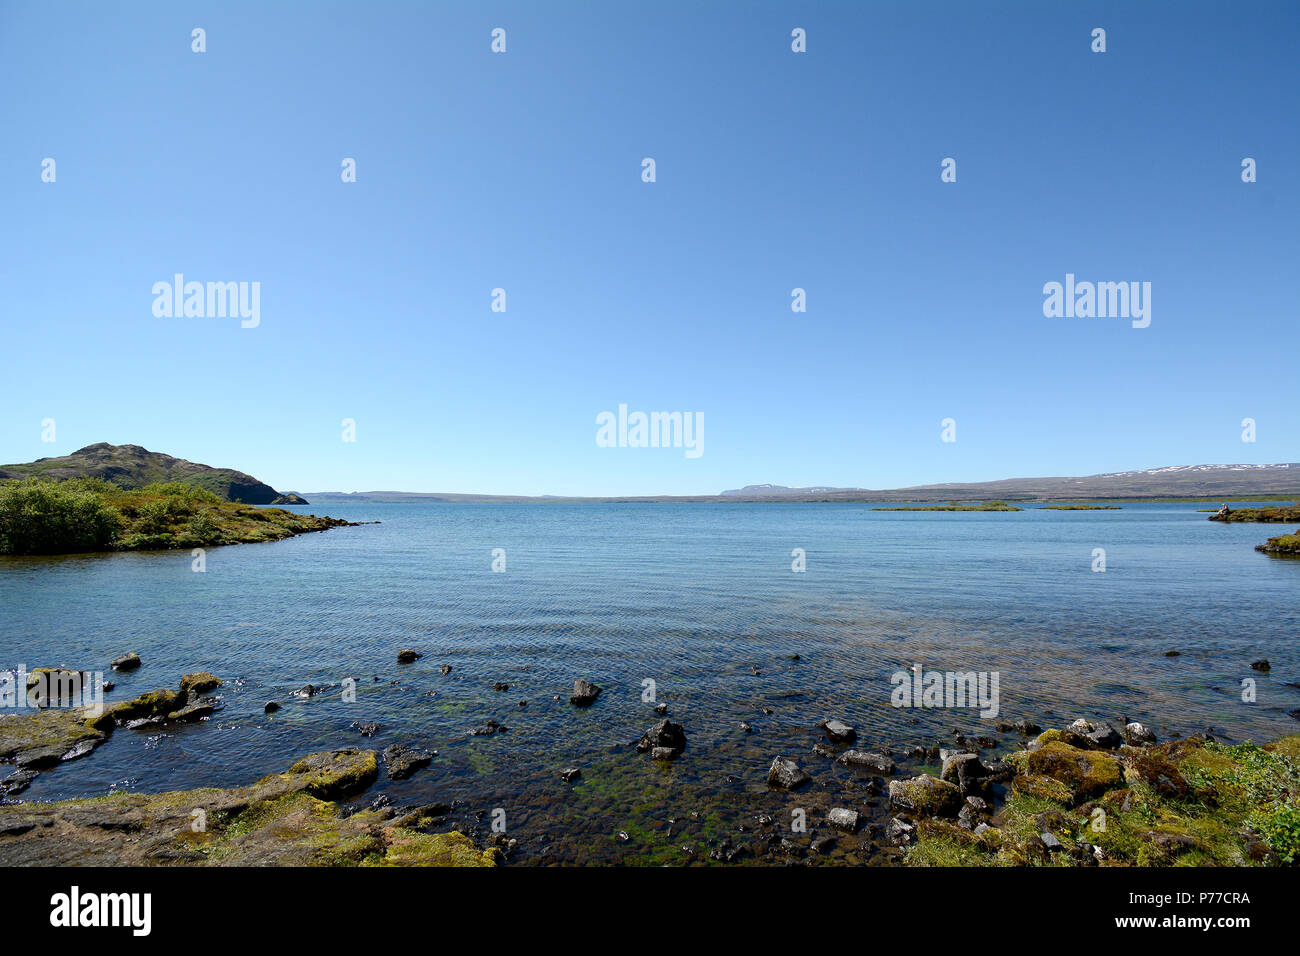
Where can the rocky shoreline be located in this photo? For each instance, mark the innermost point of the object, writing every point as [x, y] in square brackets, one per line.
[1084, 795]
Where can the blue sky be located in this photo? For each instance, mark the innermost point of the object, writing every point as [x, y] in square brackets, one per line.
[775, 170]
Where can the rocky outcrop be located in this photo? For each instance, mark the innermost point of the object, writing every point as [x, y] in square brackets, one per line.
[285, 819]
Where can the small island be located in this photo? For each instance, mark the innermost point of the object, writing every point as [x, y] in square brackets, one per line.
[953, 506]
[1079, 508]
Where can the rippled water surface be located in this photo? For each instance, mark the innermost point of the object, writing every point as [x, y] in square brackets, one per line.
[700, 599]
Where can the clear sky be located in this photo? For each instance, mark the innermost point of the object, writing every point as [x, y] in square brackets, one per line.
[775, 170]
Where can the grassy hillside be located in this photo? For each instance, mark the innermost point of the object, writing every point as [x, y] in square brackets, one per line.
[131, 466]
[40, 516]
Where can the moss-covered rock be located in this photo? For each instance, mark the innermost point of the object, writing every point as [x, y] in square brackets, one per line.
[925, 796]
[43, 738]
[283, 819]
[1087, 773]
[199, 683]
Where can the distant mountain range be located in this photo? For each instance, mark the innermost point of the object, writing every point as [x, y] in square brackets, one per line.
[1178, 481]
[134, 467]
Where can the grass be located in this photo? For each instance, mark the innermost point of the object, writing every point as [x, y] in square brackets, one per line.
[41, 516]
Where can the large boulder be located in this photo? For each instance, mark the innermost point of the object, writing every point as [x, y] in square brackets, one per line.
[1086, 773]
[926, 796]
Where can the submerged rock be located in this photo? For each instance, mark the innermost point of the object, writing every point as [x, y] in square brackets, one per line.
[407, 656]
[571, 774]
[665, 736]
[785, 774]
[867, 760]
[271, 707]
[401, 761]
[843, 819]
[584, 693]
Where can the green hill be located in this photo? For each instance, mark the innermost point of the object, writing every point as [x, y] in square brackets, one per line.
[132, 467]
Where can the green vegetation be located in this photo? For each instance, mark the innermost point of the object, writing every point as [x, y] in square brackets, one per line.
[41, 516]
[1282, 544]
[1285, 514]
[1079, 508]
[1185, 803]
[954, 506]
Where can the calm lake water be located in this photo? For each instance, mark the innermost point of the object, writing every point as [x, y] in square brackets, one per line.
[695, 597]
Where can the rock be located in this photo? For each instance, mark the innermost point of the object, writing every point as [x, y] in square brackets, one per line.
[745, 727]
[1137, 735]
[407, 656]
[839, 731]
[17, 782]
[1261, 665]
[1085, 773]
[192, 712]
[1173, 653]
[489, 728]
[1050, 841]
[824, 750]
[445, 669]
[1020, 726]
[199, 683]
[368, 729]
[843, 819]
[661, 709]
[663, 753]
[155, 705]
[307, 690]
[271, 707]
[108, 685]
[1103, 736]
[401, 761]
[571, 774]
[867, 760]
[666, 735]
[785, 774]
[127, 662]
[972, 813]
[498, 686]
[925, 796]
[584, 693]
[899, 832]
[822, 843]
[964, 769]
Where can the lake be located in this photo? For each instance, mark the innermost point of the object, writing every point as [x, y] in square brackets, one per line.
[699, 599]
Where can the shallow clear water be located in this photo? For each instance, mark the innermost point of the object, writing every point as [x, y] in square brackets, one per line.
[692, 596]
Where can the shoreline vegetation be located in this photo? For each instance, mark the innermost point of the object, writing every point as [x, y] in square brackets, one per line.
[41, 516]
[954, 506]
[1282, 514]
